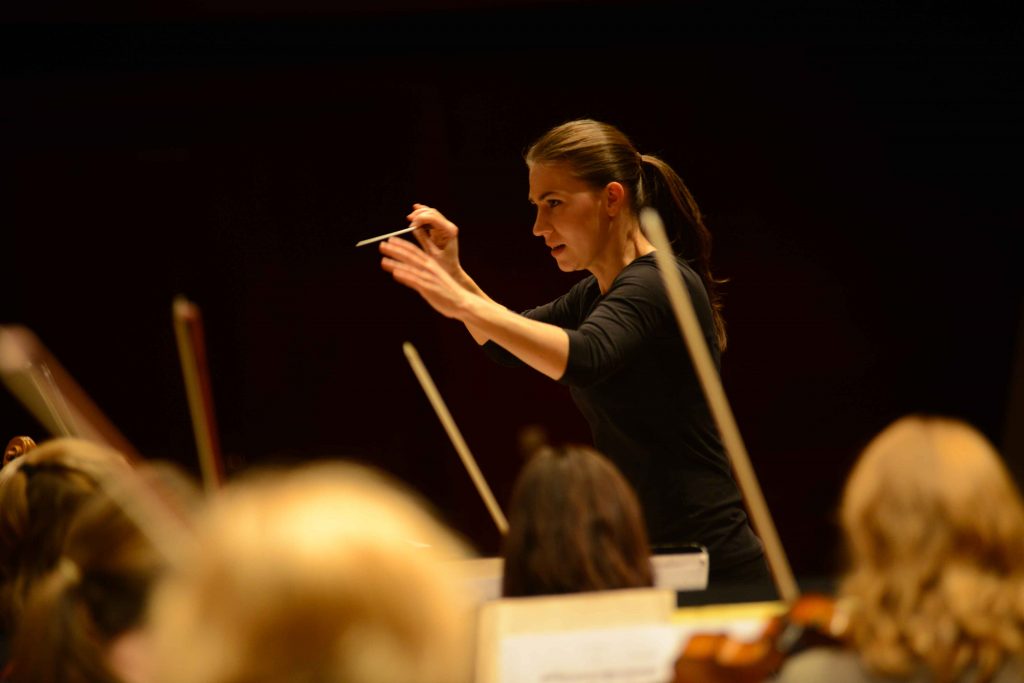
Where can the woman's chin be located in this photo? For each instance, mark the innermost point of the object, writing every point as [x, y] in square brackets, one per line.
[564, 264]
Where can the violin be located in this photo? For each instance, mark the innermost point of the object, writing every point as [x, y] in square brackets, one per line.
[812, 620]
[17, 447]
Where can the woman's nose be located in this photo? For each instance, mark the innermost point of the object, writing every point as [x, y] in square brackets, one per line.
[539, 228]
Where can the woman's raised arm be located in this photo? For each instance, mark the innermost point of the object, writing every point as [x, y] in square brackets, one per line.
[542, 346]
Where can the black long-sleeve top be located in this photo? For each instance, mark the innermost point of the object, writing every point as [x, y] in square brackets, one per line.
[631, 375]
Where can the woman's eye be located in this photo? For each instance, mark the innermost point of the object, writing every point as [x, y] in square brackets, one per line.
[554, 202]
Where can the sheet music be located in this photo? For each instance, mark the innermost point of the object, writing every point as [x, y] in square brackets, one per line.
[644, 653]
[630, 654]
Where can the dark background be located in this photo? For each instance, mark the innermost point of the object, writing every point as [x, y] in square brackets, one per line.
[859, 167]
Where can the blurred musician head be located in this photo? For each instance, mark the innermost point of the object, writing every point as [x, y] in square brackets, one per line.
[935, 532]
[81, 621]
[575, 525]
[40, 492]
[330, 572]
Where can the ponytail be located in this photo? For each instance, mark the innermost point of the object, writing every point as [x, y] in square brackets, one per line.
[664, 190]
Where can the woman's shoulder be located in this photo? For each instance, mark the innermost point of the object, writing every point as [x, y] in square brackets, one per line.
[643, 273]
[646, 266]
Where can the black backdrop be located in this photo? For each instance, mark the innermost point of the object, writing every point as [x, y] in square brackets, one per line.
[859, 169]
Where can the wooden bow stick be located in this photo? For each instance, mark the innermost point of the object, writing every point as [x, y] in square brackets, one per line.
[188, 330]
[141, 501]
[719, 405]
[35, 377]
[456, 437]
[45, 388]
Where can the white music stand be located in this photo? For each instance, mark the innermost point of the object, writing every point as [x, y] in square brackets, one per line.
[676, 572]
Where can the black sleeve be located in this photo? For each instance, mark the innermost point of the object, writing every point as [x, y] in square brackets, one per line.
[630, 314]
[563, 312]
[633, 313]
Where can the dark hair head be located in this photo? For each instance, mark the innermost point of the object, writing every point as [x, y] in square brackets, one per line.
[39, 493]
[96, 592]
[599, 153]
[575, 525]
[98, 589]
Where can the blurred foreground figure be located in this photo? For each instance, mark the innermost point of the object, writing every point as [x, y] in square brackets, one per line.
[934, 528]
[329, 573]
[40, 493]
[82, 621]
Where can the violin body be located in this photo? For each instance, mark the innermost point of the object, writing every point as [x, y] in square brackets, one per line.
[813, 620]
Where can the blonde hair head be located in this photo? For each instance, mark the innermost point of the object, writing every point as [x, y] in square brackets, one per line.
[935, 532]
[331, 572]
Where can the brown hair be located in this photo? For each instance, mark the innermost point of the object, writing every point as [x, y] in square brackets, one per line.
[97, 591]
[599, 153]
[575, 525]
[935, 532]
[39, 494]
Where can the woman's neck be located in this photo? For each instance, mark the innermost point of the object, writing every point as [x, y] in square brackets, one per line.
[631, 245]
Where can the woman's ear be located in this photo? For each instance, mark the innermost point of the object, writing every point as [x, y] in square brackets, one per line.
[615, 197]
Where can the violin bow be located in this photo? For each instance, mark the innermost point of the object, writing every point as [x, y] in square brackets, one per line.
[142, 503]
[434, 396]
[35, 377]
[711, 383]
[47, 390]
[188, 331]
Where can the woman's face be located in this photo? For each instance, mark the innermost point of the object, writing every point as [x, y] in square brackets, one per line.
[571, 216]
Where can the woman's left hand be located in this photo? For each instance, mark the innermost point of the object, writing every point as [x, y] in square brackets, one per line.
[410, 266]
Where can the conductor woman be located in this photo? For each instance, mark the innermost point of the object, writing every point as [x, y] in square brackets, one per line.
[612, 338]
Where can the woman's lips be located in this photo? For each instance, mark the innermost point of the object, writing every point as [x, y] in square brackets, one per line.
[555, 251]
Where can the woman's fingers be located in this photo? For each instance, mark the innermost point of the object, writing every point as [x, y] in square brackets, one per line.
[429, 267]
[405, 276]
[411, 267]
[401, 255]
[419, 210]
[402, 273]
[425, 215]
[406, 251]
[419, 216]
[436, 292]
[422, 236]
